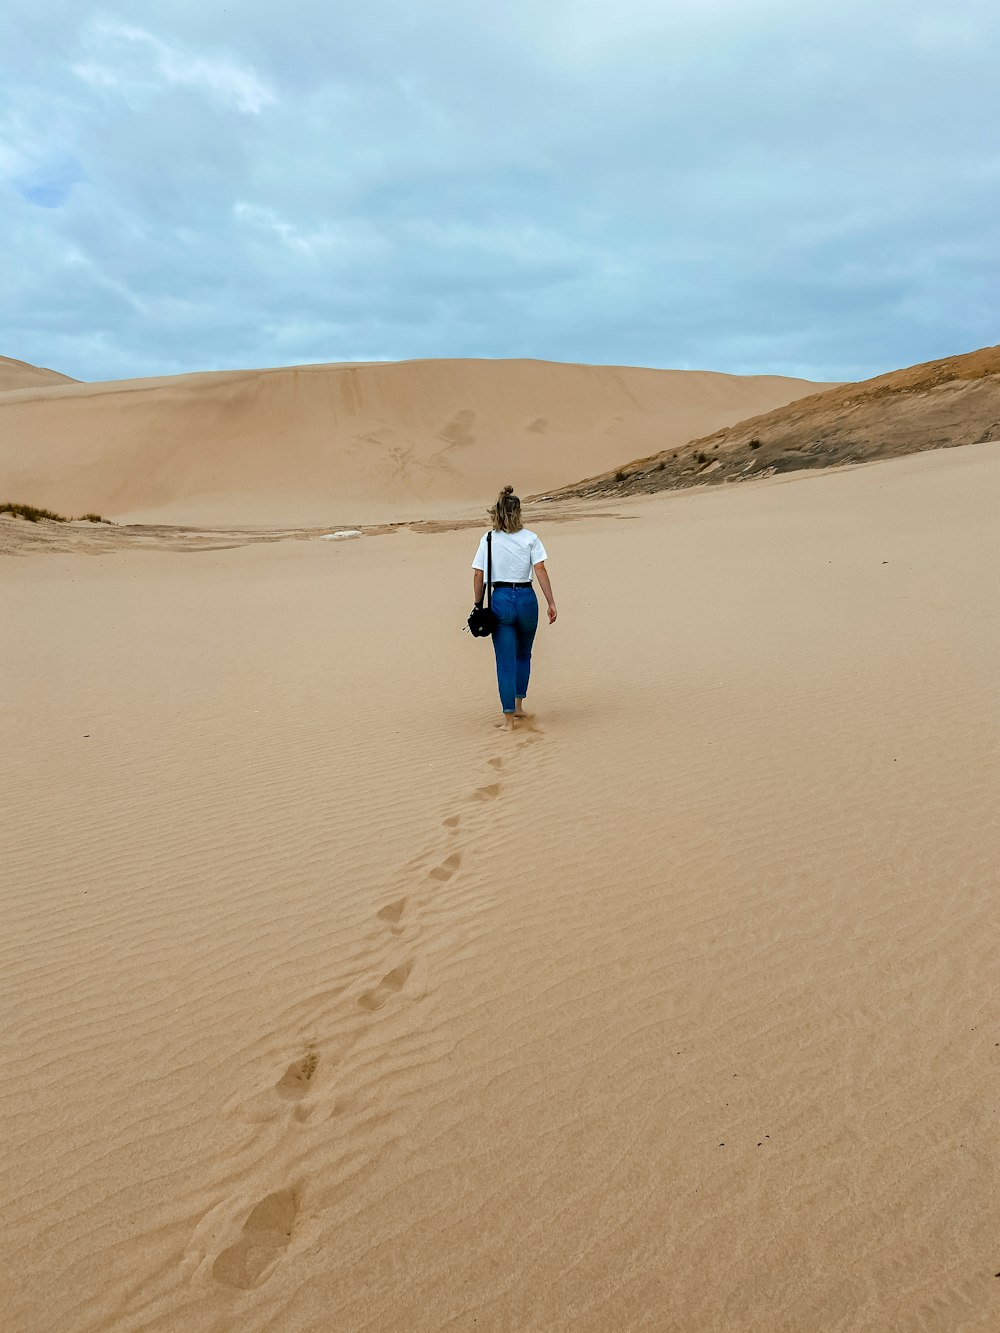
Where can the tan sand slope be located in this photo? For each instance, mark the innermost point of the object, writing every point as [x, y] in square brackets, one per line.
[315, 444]
[935, 405]
[22, 375]
[327, 1007]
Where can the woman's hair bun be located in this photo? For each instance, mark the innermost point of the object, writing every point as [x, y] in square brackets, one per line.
[506, 513]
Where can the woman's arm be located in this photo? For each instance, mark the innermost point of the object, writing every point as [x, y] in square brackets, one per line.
[477, 586]
[546, 587]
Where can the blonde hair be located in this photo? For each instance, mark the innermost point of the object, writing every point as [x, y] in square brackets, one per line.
[506, 513]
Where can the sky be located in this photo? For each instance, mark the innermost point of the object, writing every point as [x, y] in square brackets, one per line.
[752, 186]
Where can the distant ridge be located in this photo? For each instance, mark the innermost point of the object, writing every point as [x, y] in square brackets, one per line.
[934, 405]
[350, 443]
[23, 375]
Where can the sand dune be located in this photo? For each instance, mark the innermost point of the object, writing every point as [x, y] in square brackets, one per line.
[321, 444]
[935, 405]
[329, 1007]
[22, 375]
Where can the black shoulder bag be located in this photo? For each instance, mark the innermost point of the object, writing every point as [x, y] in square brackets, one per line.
[482, 619]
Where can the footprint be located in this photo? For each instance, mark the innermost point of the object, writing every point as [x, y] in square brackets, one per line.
[266, 1234]
[294, 1082]
[447, 868]
[495, 763]
[451, 822]
[390, 985]
[486, 793]
[392, 911]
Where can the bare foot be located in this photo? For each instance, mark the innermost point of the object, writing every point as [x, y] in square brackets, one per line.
[508, 722]
[519, 712]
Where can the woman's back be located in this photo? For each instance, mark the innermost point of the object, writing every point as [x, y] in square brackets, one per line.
[515, 555]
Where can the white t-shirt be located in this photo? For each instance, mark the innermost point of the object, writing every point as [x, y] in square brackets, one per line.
[515, 555]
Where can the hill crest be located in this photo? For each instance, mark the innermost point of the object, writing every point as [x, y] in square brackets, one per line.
[16, 375]
[357, 443]
[937, 404]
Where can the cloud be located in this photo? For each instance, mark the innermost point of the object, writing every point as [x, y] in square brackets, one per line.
[342, 244]
[746, 185]
[129, 59]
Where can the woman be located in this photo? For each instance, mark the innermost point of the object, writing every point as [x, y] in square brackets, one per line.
[516, 553]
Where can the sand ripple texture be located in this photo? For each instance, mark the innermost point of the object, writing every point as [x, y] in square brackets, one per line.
[329, 1007]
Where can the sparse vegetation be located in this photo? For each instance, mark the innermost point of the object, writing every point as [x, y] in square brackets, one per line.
[32, 513]
[619, 475]
[661, 465]
[755, 443]
[701, 457]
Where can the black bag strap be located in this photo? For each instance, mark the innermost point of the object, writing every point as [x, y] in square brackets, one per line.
[489, 567]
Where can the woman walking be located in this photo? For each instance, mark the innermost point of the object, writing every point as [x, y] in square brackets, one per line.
[517, 553]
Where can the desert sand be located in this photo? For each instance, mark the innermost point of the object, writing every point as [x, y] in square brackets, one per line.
[326, 1006]
[349, 443]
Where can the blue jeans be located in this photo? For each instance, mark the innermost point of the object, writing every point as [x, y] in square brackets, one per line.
[516, 610]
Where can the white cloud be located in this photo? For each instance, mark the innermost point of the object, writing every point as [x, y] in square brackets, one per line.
[97, 75]
[11, 158]
[129, 57]
[343, 243]
[267, 221]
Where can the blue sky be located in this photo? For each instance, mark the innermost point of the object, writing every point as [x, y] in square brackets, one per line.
[762, 186]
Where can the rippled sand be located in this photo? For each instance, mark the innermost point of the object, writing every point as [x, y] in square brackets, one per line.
[326, 1006]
